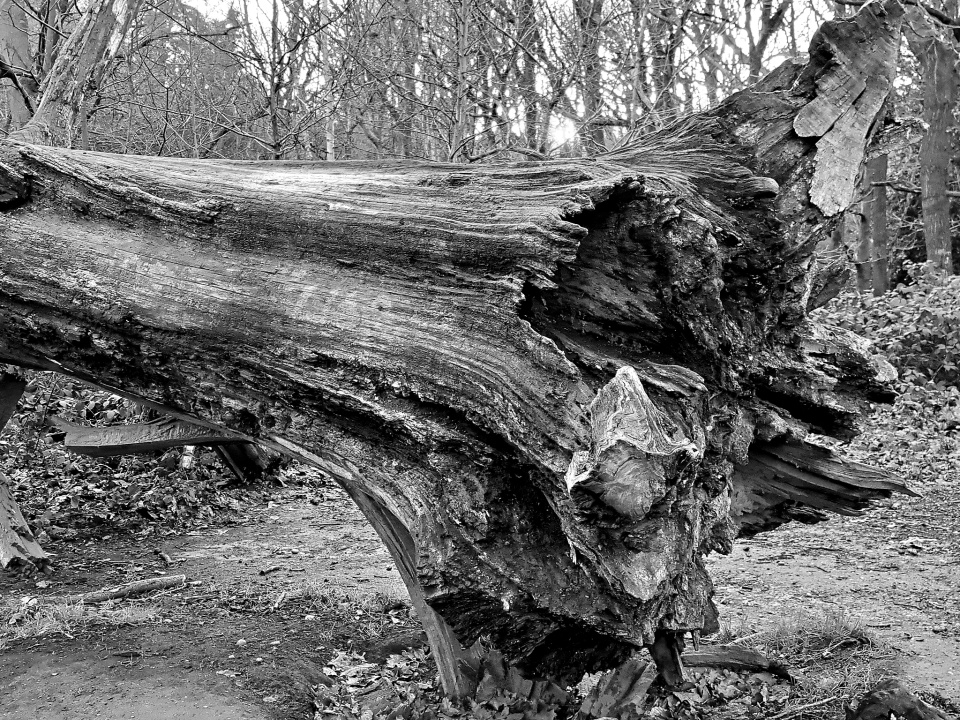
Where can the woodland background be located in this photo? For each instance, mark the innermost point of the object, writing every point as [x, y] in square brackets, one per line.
[471, 81]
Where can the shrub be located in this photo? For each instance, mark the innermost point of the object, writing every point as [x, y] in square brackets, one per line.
[916, 326]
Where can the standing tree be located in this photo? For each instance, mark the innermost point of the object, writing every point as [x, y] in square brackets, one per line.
[938, 62]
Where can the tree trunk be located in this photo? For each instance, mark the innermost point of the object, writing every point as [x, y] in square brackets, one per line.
[936, 151]
[874, 209]
[938, 58]
[15, 53]
[559, 383]
[589, 15]
[81, 65]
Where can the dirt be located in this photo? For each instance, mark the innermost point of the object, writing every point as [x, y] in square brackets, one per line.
[896, 570]
[291, 583]
[264, 582]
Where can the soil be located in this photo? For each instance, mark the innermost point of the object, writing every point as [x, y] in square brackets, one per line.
[896, 570]
[264, 582]
[299, 578]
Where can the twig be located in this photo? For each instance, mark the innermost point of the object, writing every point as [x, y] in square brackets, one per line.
[908, 188]
[139, 587]
[809, 706]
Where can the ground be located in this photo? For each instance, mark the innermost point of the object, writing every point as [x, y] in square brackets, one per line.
[272, 597]
[895, 569]
[290, 583]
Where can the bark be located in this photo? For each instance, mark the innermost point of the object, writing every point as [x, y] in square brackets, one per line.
[589, 15]
[81, 65]
[936, 151]
[874, 227]
[246, 460]
[891, 698]
[17, 542]
[552, 387]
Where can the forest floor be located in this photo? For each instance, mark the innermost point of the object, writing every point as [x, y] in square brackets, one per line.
[275, 595]
[303, 576]
[299, 585]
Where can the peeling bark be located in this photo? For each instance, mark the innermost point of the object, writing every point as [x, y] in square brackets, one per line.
[551, 384]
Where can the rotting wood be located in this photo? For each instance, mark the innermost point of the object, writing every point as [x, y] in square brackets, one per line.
[18, 545]
[731, 657]
[620, 693]
[457, 667]
[434, 337]
[243, 458]
[132, 589]
[17, 542]
[163, 434]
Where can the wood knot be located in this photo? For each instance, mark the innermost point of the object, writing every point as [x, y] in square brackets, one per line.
[635, 453]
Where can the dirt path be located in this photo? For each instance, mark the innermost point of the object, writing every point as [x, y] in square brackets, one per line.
[294, 582]
[897, 569]
[306, 575]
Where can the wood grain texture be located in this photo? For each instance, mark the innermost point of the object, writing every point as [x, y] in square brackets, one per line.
[455, 343]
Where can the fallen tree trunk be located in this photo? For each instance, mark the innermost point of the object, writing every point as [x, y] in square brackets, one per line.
[553, 387]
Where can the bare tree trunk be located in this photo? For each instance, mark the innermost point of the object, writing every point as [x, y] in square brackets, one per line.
[82, 63]
[589, 18]
[771, 20]
[16, 54]
[565, 381]
[527, 80]
[874, 210]
[936, 151]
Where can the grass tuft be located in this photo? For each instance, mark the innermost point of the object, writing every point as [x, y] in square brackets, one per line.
[833, 657]
[20, 622]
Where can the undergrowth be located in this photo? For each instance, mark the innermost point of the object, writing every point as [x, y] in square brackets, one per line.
[36, 617]
[832, 657]
[916, 325]
[64, 495]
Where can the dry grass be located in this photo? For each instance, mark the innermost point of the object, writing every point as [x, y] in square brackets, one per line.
[394, 596]
[833, 658]
[43, 618]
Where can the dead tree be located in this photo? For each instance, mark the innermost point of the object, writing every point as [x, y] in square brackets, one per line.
[553, 387]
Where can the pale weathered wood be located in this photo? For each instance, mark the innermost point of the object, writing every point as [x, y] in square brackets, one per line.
[17, 542]
[849, 100]
[547, 373]
[243, 458]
